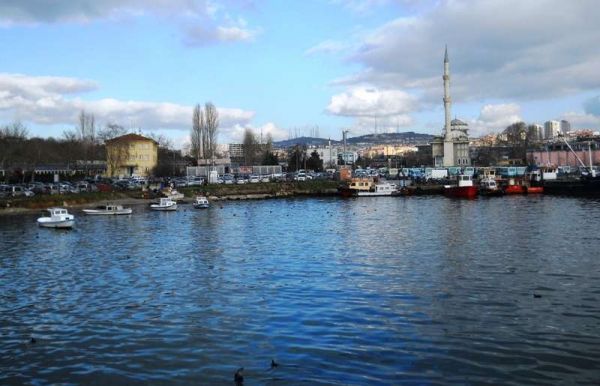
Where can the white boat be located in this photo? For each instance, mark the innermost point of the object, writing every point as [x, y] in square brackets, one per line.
[112, 209]
[379, 189]
[164, 204]
[201, 202]
[59, 218]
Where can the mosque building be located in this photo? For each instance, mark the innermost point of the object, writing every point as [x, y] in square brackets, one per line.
[452, 147]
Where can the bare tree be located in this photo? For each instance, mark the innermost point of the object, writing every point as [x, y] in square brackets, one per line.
[117, 152]
[111, 130]
[212, 125]
[197, 133]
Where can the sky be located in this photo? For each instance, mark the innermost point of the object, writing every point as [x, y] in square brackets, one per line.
[294, 68]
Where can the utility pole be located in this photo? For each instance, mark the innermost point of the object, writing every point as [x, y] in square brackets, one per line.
[344, 133]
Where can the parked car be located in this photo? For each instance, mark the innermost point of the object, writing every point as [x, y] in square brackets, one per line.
[300, 177]
[195, 181]
[265, 179]
[254, 179]
[228, 179]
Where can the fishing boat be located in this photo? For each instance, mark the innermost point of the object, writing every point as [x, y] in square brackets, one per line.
[59, 218]
[463, 189]
[201, 202]
[108, 209]
[378, 189]
[514, 187]
[165, 204]
[489, 187]
[356, 185]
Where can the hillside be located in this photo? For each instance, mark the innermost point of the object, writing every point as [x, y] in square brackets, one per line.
[408, 137]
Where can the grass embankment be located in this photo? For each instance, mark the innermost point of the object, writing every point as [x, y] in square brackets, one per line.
[261, 190]
[271, 189]
[47, 201]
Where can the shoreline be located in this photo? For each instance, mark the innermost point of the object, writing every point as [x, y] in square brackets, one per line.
[234, 193]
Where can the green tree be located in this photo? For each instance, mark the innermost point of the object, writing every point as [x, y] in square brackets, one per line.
[314, 162]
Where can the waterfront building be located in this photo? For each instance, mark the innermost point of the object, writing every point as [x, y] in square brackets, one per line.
[537, 132]
[131, 155]
[551, 129]
[565, 126]
[452, 147]
[558, 153]
[328, 154]
[385, 151]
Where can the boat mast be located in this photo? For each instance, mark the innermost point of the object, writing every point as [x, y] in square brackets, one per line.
[576, 156]
[592, 171]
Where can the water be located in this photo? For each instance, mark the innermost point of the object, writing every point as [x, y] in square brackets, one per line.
[350, 292]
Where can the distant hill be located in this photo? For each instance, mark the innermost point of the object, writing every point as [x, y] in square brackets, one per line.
[409, 137]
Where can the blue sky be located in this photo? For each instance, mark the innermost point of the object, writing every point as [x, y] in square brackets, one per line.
[291, 66]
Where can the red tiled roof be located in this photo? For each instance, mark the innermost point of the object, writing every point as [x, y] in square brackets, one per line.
[131, 137]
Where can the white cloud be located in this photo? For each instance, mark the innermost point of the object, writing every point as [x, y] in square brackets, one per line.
[327, 47]
[582, 120]
[370, 102]
[494, 119]
[208, 34]
[202, 21]
[235, 134]
[498, 49]
[47, 101]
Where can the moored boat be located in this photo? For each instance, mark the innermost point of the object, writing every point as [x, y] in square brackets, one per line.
[379, 189]
[489, 187]
[201, 202]
[59, 218]
[463, 189]
[165, 204]
[108, 209]
[535, 189]
[356, 185]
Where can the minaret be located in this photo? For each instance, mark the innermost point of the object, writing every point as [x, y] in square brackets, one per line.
[447, 100]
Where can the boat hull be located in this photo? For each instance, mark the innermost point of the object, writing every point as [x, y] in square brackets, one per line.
[515, 189]
[373, 194]
[535, 189]
[201, 206]
[461, 191]
[581, 187]
[64, 224]
[107, 212]
[163, 208]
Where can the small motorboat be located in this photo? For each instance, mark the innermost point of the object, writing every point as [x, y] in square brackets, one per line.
[201, 202]
[112, 209]
[164, 204]
[59, 218]
[489, 187]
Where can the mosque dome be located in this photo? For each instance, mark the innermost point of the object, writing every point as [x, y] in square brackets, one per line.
[457, 122]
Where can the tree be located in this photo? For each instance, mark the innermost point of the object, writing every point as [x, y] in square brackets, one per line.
[211, 121]
[197, 133]
[111, 130]
[296, 158]
[117, 152]
[314, 162]
[269, 158]
[205, 124]
[250, 147]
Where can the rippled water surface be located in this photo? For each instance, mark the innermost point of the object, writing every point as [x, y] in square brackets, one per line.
[349, 292]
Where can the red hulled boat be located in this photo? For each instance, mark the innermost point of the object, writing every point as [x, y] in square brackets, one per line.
[464, 189]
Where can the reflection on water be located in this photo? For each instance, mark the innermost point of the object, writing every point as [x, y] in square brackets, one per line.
[366, 291]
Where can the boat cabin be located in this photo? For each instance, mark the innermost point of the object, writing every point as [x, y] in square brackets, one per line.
[57, 212]
[361, 184]
[464, 180]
